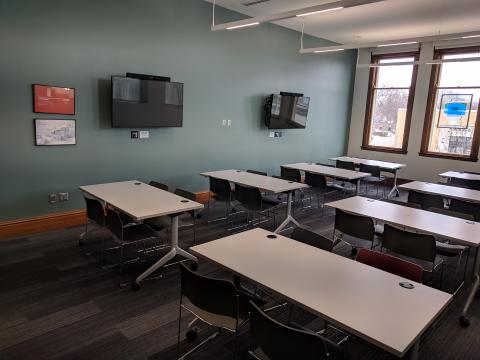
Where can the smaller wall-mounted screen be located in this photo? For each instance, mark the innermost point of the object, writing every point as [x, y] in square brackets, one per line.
[286, 111]
[138, 103]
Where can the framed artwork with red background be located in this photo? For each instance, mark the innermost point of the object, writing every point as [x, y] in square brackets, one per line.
[53, 99]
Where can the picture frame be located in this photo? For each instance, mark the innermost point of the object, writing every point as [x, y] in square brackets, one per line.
[48, 99]
[55, 132]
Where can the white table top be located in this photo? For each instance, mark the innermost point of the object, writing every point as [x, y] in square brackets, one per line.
[447, 227]
[261, 182]
[361, 299]
[329, 171]
[140, 201]
[382, 164]
[460, 175]
[444, 190]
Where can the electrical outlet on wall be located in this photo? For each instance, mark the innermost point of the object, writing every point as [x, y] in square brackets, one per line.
[144, 134]
[224, 122]
[134, 134]
[271, 134]
[52, 198]
[63, 196]
[229, 123]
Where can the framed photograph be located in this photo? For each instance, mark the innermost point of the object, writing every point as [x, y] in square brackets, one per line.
[55, 132]
[53, 99]
[455, 111]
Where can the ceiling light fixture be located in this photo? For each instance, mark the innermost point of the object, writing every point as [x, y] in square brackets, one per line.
[398, 44]
[319, 11]
[243, 26]
[470, 36]
[325, 51]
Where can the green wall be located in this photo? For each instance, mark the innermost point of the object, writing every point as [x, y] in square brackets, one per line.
[226, 74]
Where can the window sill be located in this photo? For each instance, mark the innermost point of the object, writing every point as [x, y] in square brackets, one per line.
[384, 149]
[448, 156]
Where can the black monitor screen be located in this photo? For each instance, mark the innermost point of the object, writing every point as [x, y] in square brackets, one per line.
[288, 112]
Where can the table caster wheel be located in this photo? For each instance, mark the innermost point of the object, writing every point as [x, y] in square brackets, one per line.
[464, 321]
[191, 334]
[135, 286]
[194, 266]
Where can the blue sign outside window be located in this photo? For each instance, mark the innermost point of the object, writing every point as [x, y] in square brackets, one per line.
[455, 109]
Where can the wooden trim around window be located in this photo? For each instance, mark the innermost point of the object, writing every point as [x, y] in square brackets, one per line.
[428, 123]
[369, 109]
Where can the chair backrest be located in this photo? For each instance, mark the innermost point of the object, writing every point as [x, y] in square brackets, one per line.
[310, 238]
[290, 174]
[390, 264]
[280, 342]
[249, 197]
[95, 211]
[114, 223]
[456, 214]
[213, 295]
[221, 188]
[425, 200]
[315, 180]
[372, 169]
[411, 244]
[158, 185]
[459, 182]
[329, 165]
[188, 195]
[466, 208]
[473, 184]
[361, 227]
[257, 172]
[348, 165]
[403, 203]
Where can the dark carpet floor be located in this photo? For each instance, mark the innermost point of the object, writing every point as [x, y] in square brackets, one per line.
[58, 303]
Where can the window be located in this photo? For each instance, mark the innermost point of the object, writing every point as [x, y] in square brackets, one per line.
[389, 103]
[452, 118]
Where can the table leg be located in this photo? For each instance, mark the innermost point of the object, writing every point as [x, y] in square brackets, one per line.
[413, 354]
[358, 188]
[174, 250]
[289, 217]
[464, 321]
[394, 188]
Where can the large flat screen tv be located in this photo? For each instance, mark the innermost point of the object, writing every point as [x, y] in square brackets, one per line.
[286, 111]
[145, 103]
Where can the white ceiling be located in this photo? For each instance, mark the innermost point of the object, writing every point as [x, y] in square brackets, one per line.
[382, 21]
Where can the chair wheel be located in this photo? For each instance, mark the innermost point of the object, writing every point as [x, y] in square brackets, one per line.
[135, 286]
[464, 321]
[194, 266]
[191, 334]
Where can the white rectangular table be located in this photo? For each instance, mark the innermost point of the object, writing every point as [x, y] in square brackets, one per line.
[447, 227]
[451, 192]
[385, 166]
[460, 175]
[266, 183]
[141, 201]
[363, 300]
[330, 171]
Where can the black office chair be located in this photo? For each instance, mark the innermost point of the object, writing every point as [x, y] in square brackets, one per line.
[426, 201]
[466, 208]
[347, 165]
[473, 184]
[158, 185]
[418, 248]
[290, 174]
[458, 182]
[257, 172]
[128, 235]
[275, 341]
[360, 230]
[329, 165]
[222, 192]
[95, 218]
[376, 178]
[311, 238]
[216, 302]
[250, 199]
[379, 227]
[318, 187]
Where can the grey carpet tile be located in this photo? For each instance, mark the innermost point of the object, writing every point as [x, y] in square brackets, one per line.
[40, 326]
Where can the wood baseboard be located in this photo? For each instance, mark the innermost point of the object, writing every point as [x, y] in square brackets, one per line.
[28, 226]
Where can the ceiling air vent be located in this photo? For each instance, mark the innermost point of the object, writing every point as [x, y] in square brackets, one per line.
[254, 2]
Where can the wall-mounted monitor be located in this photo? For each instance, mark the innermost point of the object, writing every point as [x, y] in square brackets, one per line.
[286, 111]
[146, 103]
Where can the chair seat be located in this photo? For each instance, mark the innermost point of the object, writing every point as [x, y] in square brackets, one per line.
[374, 179]
[158, 223]
[270, 201]
[450, 250]
[136, 232]
[217, 320]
